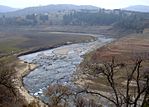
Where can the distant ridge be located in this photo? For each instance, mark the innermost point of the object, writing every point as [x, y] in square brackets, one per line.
[51, 8]
[4, 9]
[138, 8]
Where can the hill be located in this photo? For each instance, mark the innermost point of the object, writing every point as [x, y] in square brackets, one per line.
[51, 9]
[138, 8]
[4, 9]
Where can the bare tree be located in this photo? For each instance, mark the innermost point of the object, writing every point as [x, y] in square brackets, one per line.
[8, 96]
[58, 95]
[123, 97]
[62, 96]
[127, 95]
[82, 102]
[6, 76]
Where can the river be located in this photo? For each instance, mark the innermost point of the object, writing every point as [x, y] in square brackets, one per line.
[57, 65]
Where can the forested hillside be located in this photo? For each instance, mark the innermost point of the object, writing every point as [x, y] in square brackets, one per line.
[124, 19]
[81, 16]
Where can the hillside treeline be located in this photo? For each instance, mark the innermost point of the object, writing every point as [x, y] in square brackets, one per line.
[118, 18]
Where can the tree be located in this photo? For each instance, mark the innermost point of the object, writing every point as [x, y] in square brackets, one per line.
[124, 96]
[44, 18]
[58, 95]
[6, 76]
[33, 18]
[62, 96]
[7, 90]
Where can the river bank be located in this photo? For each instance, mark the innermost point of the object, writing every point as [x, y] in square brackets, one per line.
[22, 69]
[57, 64]
[126, 50]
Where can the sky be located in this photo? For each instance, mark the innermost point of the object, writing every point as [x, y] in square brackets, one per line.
[108, 4]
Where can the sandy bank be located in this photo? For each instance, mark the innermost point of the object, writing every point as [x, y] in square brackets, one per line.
[23, 69]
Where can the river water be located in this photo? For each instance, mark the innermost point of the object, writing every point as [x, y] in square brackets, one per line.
[57, 65]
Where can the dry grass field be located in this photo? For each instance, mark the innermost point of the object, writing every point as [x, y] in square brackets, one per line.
[16, 39]
[125, 50]
[13, 40]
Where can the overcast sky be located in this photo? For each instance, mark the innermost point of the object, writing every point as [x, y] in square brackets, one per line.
[109, 4]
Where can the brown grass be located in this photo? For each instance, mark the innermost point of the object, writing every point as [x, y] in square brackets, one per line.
[13, 40]
[125, 50]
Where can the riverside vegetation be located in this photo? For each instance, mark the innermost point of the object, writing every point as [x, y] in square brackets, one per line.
[41, 31]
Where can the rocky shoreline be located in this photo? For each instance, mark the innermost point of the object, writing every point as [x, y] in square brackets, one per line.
[30, 51]
[25, 67]
[22, 69]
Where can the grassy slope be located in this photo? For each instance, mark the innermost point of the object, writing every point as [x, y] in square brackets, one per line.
[124, 49]
[17, 39]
